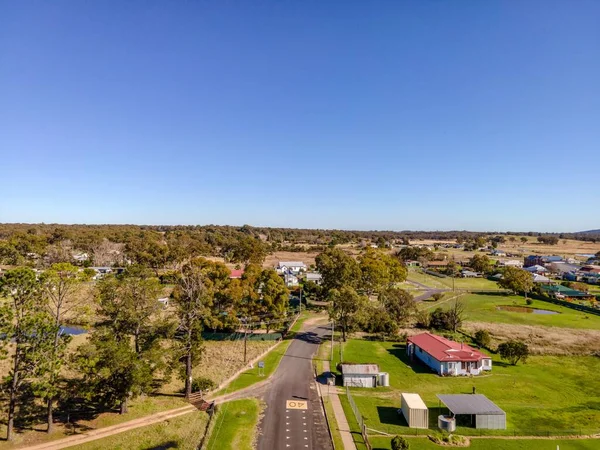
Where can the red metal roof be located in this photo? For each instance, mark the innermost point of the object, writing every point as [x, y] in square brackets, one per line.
[236, 273]
[444, 349]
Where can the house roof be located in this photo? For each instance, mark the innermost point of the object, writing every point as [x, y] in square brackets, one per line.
[470, 404]
[540, 278]
[313, 276]
[563, 290]
[236, 273]
[536, 268]
[291, 264]
[444, 349]
[360, 369]
[413, 401]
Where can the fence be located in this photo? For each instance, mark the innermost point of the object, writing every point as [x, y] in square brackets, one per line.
[359, 419]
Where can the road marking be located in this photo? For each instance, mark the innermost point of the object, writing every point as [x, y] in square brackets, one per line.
[296, 404]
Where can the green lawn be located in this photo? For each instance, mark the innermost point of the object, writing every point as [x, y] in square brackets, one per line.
[234, 426]
[497, 444]
[353, 424]
[557, 394]
[484, 308]
[183, 432]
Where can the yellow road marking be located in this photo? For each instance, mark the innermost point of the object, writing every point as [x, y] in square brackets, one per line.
[296, 404]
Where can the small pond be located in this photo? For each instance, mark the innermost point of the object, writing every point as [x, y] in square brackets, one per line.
[525, 309]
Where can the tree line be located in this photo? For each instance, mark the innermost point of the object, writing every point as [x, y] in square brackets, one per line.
[135, 344]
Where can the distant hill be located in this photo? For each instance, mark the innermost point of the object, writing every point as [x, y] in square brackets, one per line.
[590, 232]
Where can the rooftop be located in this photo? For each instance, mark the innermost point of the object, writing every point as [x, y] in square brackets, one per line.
[360, 369]
[563, 290]
[444, 349]
[469, 404]
[414, 401]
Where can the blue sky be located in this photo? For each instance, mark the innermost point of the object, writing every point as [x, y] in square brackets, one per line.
[398, 115]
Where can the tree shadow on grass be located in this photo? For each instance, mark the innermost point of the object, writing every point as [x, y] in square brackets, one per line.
[164, 446]
[399, 351]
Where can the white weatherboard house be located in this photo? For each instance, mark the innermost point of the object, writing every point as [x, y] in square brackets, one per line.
[360, 375]
[315, 277]
[291, 266]
[447, 357]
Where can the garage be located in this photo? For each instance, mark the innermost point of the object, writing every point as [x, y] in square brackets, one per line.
[475, 410]
[360, 375]
[415, 411]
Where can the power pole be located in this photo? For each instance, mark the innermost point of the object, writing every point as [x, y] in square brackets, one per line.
[332, 333]
[245, 339]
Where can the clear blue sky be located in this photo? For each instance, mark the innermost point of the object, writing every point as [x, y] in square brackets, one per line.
[430, 114]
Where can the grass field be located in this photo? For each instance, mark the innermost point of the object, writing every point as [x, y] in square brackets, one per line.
[381, 443]
[235, 425]
[556, 394]
[353, 424]
[183, 432]
[484, 308]
[333, 426]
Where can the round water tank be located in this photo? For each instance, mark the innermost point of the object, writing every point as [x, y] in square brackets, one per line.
[384, 379]
[447, 423]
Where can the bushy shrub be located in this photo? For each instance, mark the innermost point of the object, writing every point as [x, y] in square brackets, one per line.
[399, 443]
[483, 338]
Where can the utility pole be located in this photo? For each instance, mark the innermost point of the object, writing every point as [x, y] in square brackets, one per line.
[245, 339]
[332, 333]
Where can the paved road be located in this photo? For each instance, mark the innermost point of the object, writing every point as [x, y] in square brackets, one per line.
[282, 426]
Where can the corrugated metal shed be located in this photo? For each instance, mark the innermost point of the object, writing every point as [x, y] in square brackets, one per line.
[487, 414]
[360, 369]
[415, 411]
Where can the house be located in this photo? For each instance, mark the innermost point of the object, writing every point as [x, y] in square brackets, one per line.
[590, 268]
[290, 279]
[360, 375]
[469, 274]
[537, 278]
[537, 269]
[412, 263]
[236, 273]
[438, 264]
[533, 260]
[564, 293]
[81, 257]
[315, 277]
[447, 357]
[291, 266]
[497, 252]
[511, 263]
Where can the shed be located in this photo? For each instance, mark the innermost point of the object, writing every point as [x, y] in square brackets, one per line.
[483, 412]
[360, 375]
[415, 411]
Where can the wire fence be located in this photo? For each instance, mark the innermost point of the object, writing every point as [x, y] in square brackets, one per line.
[359, 419]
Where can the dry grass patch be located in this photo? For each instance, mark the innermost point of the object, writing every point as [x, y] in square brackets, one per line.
[542, 340]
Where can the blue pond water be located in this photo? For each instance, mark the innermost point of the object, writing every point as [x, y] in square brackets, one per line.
[73, 331]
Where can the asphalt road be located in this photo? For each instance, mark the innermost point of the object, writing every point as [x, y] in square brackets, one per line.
[294, 418]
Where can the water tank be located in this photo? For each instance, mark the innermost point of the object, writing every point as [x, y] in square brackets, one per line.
[447, 423]
[384, 379]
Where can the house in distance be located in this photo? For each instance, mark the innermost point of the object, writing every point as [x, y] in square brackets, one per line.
[446, 357]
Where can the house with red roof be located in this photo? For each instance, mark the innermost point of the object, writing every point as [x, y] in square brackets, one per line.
[236, 273]
[447, 357]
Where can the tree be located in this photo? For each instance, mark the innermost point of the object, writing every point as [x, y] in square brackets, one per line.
[398, 303]
[456, 315]
[60, 285]
[338, 269]
[400, 443]
[415, 253]
[437, 296]
[344, 303]
[516, 280]
[438, 320]
[125, 345]
[482, 337]
[379, 270]
[25, 323]
[523, 239]
[274, 295]
[514, 351]
[193, 301]
[481, 263]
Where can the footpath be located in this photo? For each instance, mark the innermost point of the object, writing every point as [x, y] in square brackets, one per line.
[338, 411]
